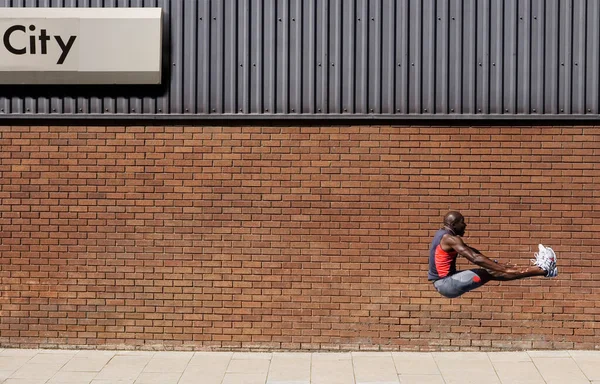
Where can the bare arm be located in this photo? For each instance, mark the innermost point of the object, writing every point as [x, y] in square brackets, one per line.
[474, 256]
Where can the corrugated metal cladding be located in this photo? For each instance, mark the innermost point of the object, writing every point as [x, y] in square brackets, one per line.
[336, 58]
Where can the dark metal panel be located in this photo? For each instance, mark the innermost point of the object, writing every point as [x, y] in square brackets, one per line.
[537, 56]
[269, 56]
[388, 11]
[469, 101]
[257, 55]
[203, 51]
[282, 52]
[231, 59]
[429, 57]
[592, 72]
[348, 118]
[565, 48]
[402, 39]
[479, 61]
[578, 56]
[374, 62]
[442, 57]
[348, 55]
[246, 68]
[322, 33]
[509, 81]
[455, 56]
[355, 57]
[335, 56]
[190, 69]
[551, 87]
[309, 61]
[217, 49]
[362, 52]
[496, 57]
[295, 57]
[415, 57]
[523, 100]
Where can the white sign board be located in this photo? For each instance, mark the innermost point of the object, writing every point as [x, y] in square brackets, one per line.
[80, 45]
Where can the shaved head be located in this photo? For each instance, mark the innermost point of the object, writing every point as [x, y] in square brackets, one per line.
[452, 217]
[455, 222]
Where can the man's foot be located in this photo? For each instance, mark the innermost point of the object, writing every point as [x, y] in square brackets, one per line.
[546, 259]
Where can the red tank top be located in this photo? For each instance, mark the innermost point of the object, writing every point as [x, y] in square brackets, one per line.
[445, 262]
[441, 263]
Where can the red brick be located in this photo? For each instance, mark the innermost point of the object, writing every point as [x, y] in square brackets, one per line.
[291, 237]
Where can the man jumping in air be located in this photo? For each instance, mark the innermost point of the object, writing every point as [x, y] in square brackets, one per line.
[447, 244]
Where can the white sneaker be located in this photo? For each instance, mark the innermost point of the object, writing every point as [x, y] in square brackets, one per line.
[546, 259]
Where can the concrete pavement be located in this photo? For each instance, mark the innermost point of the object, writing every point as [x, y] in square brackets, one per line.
[31, 366]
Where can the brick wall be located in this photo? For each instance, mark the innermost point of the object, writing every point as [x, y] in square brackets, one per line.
[292, 237]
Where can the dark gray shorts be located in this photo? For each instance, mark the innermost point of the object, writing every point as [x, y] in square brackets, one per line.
[461, 282]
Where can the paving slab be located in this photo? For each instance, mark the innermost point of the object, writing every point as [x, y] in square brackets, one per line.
[421, 379]
[59, 359]
[518, 372]
[90, 353]
[249, 366]
[119, 372]
[25, 381]
[164, 362]
[147, 367]
[537, 354]
[117, 375]
[289, 368]
[374, 368]
[5, 374]
[560, 370]
[197, 374]
[253, 356]
[588, 362]
[335, 368]
[508, 356]
[36, 371]
[244, 378]
[135, 353]
[325, 356]
[414, 363]
[206, 368]
[130, 361]
[209, 359]
[158, 378]
[12, 363]
[86, 364]
[466, 367]
[112, 381]
[19, 352]
[72, 378]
